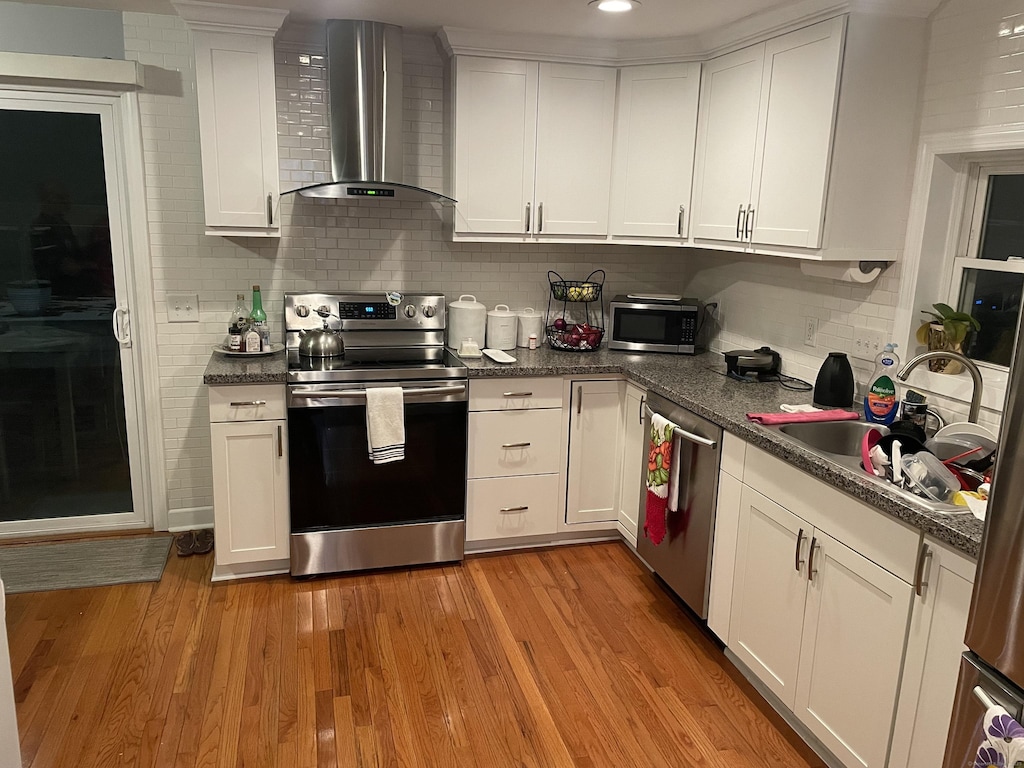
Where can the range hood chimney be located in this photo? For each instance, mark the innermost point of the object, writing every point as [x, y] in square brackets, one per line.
[364, 71]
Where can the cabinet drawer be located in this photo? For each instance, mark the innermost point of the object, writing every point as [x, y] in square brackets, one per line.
[515, 393]
[504, 507]
[247, 402]
[506, 443]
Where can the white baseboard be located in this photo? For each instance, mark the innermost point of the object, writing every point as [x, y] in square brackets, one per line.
[189, 518]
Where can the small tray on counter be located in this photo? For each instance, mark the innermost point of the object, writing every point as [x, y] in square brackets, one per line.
[220, 349]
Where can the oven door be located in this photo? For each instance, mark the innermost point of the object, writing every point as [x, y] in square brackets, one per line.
[643, 328]
[334, 485]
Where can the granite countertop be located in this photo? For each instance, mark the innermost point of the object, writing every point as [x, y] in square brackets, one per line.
[697, 383]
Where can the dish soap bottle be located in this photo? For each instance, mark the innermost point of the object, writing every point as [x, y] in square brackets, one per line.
[880, 401]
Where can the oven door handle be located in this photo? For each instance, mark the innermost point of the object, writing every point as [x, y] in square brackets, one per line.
[351, 394]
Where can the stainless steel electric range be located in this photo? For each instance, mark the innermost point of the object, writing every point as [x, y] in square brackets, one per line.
[348, 513]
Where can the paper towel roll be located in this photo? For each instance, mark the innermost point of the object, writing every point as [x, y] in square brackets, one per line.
[848, 271]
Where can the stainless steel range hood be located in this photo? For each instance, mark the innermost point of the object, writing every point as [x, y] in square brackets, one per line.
[364, 70]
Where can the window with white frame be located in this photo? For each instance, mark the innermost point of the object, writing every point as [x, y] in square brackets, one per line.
[988, 275]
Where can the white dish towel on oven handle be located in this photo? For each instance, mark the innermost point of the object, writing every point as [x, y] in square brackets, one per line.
[385, 424]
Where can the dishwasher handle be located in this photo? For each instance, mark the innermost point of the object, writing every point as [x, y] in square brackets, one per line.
[686, 435]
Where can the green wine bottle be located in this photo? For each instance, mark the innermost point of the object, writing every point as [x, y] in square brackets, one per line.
[258, 319]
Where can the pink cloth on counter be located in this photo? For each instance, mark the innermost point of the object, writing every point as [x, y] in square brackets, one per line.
[800, 418]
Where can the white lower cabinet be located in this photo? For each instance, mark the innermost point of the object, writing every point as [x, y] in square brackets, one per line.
[936, 640]
[634, 456]
[595, 452]
[504, 507]
[250, 491]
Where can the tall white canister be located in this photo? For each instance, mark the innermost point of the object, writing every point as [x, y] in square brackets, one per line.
[501, 328]
[530, 322]
[467, 319]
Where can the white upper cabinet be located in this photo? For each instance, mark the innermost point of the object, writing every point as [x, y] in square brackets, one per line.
[727, 144]
[799, 89]
[237, 116]
[655, 134]
[533, 145]
[765, 138]
[496, 126]
[575, 123]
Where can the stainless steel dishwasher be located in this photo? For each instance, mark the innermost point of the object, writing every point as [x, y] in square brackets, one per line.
[683, 558]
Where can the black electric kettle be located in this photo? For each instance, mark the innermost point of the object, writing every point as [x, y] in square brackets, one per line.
[834, 386]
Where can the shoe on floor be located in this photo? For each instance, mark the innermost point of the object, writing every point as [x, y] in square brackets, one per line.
[184, 543]
[203, 541]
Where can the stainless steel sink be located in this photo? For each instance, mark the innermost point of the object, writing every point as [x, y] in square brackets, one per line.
[841, 438]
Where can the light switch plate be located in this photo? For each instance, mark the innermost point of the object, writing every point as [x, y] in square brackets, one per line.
[183, 307]
[867, 343]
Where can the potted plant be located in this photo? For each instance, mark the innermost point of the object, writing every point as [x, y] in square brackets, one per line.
[947, 329]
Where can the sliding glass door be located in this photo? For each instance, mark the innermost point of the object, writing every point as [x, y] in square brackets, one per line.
[68, 426]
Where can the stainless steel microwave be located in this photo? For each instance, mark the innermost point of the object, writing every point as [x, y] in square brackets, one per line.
[654, 323]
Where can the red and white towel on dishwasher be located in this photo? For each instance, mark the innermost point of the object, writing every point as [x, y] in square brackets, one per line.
[659, 472]
[1003, 743]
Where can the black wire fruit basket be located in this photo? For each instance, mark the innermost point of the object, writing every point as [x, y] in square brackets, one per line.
[563, 327]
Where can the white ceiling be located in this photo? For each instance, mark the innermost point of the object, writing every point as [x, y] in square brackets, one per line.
[653, 19]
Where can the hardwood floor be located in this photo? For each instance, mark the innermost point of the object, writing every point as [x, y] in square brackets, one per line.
[572, 656]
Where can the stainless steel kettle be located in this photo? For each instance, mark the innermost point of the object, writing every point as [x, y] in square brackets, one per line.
[321, 342]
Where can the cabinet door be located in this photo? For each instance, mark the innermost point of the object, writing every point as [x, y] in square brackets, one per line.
[769, 592]
[730, 97]
[250, 491]
[595, 452]
[507, 443]
[495, 144]
[800, 90]
[851, 652]
[655, 136]
[238, 130]
[723, 558]
[634, 456]
[575, 123]
[932, 663]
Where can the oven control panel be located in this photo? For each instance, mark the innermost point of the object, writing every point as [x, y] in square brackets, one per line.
[365, 311]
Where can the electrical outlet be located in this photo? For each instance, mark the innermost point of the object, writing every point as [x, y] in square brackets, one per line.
[182, 307]
[811, 332]
[867, 343]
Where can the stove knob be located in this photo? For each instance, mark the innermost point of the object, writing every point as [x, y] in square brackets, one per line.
[409, 311]
[302, 310]
[429, 310]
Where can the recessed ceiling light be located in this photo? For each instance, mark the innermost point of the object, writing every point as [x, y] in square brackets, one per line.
[614, 6]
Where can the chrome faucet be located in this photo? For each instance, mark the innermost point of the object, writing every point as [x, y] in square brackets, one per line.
[941, 354]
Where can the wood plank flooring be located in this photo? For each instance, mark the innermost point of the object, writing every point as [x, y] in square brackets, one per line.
[573, 656]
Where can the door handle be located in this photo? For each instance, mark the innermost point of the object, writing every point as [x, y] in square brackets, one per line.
[515, 445]
[579, 400]
[682, 212]
[270, 210]
[641, 414]
[506, 510]
[121, 325]
[810, 559]
[248, 403]
[540, 217]
[528, 218]
[922, 558]
[517, 394]
[797, 562]
[739, 226]
[280, 441]
[748, 223]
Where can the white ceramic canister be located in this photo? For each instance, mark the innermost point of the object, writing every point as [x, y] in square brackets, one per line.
[530, 322]
[501, 328]
[467, 319]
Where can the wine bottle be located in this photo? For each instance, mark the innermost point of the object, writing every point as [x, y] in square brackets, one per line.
[258, 320]
[238, 324]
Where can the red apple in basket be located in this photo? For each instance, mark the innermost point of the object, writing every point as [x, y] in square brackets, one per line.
[559, 324]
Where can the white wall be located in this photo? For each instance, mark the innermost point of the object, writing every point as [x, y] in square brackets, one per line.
[327, 245]
[26, 28]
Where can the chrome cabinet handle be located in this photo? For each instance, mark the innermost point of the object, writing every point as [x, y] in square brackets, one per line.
[528, 217]
[270, 210]
[682, 212]
[739, 226]
[280, 442]
[810, 559]
[579, 400]
[540, 217]
[247, 403]
[517, 394]
[515, 445]
[506, 510]
[922, 558]
[748, 223]
[797, 562]
[641, 414]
